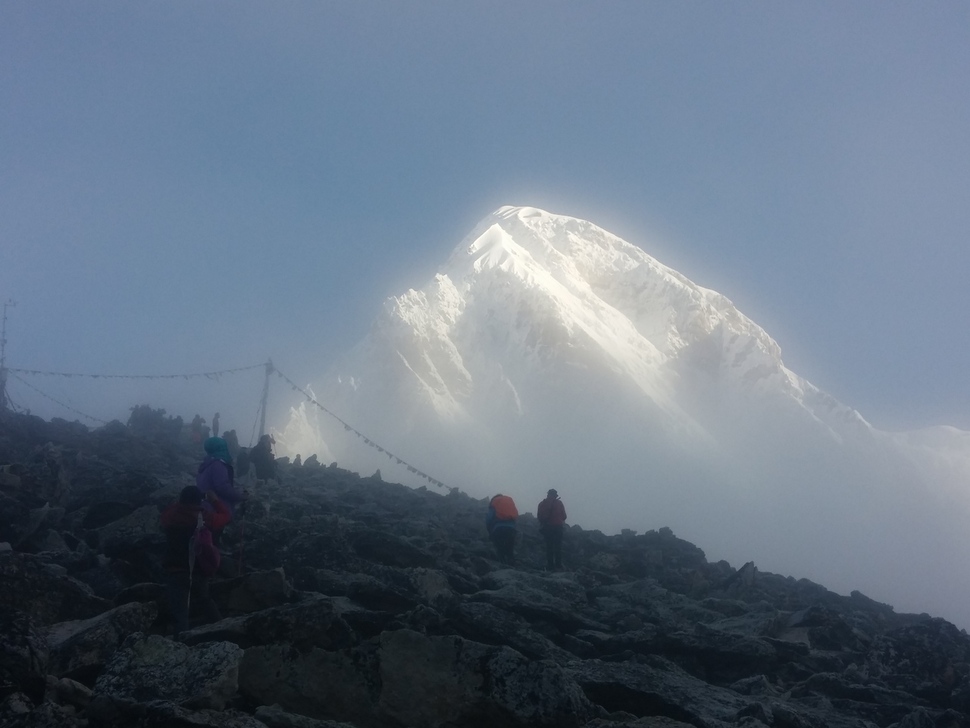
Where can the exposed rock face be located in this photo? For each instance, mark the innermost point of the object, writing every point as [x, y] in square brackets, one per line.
[364, 604]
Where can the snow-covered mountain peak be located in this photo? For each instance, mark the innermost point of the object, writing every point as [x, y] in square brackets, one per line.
[601, 269]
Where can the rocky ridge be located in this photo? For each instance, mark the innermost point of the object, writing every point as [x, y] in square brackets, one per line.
[352, 602]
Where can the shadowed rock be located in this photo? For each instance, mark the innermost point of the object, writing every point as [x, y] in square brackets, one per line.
[81, 648]
[151, 668]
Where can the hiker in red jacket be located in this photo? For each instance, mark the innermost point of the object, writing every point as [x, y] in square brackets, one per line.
[551, 514]
[190, 557]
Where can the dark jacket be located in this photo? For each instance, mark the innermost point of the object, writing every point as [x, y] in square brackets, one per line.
[551, 512]
[261, 456]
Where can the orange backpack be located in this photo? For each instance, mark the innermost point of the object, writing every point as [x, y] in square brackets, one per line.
[505, 509]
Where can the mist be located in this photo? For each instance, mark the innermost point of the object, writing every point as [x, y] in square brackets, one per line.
[503, 384]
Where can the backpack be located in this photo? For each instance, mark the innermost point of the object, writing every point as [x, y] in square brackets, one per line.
[505, 509]
[207, 556]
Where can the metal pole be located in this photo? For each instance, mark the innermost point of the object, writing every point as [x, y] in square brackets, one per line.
[3, 355]
[262, 407]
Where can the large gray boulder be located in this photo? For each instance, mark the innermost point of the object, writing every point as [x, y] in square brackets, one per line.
[558, 598]
[483, 622]
[342, 685]
[82, 647]
[23, 656]
[151, 668]
[312, 622]
[655, 686]
[252, 592]
[441, 681]
[44, 591]
[140, 529]
[17, 711]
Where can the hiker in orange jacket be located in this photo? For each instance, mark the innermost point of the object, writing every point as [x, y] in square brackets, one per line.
[500, 523]
[551, 515]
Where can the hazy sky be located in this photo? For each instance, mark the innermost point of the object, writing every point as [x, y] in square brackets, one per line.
[197, 186]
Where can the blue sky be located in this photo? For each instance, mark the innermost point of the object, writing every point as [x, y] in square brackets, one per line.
[197, 186]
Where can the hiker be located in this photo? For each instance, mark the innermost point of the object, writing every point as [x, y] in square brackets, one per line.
[215, 425]
[263, 460]
[216, 474]
[551, 515]
[196, 429]
[241, 463]
[191, 558]
[500, 523]
[232, 442]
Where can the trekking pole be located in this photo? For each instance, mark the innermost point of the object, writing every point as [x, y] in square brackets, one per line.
[188, 596]
[242, 533]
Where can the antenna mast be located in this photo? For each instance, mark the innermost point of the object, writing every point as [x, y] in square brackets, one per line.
[9, 303]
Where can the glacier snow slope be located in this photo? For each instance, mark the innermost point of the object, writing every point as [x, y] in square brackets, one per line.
[549, 353]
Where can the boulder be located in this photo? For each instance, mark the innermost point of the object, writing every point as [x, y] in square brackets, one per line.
[39, 521]
[655, 686]
[437, 681]
[432, 587]
[273, 716]
[483, 622]
[17, 711]
[23, 656]
[652, 603]
[312, 622]
[343, 685]
[44, 591]
[13, 515]
[140, 529]
[81, 648]
[825, 629]
[385, 595]
[98, 515]
[716, 656]
[558, 598]
[252, 592]
[388, 549]
[66, 691]
[150, 668]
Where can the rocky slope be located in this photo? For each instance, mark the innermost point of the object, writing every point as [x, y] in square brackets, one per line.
[360, 603]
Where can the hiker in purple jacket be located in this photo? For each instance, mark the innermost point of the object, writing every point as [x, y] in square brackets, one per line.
[216, 474]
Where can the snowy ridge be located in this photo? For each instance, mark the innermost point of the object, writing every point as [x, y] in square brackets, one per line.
[548, 352]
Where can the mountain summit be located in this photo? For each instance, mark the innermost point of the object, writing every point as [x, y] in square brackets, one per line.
[548, 352]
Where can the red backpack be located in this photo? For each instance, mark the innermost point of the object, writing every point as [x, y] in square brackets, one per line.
[505, 509]
[207, 556]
